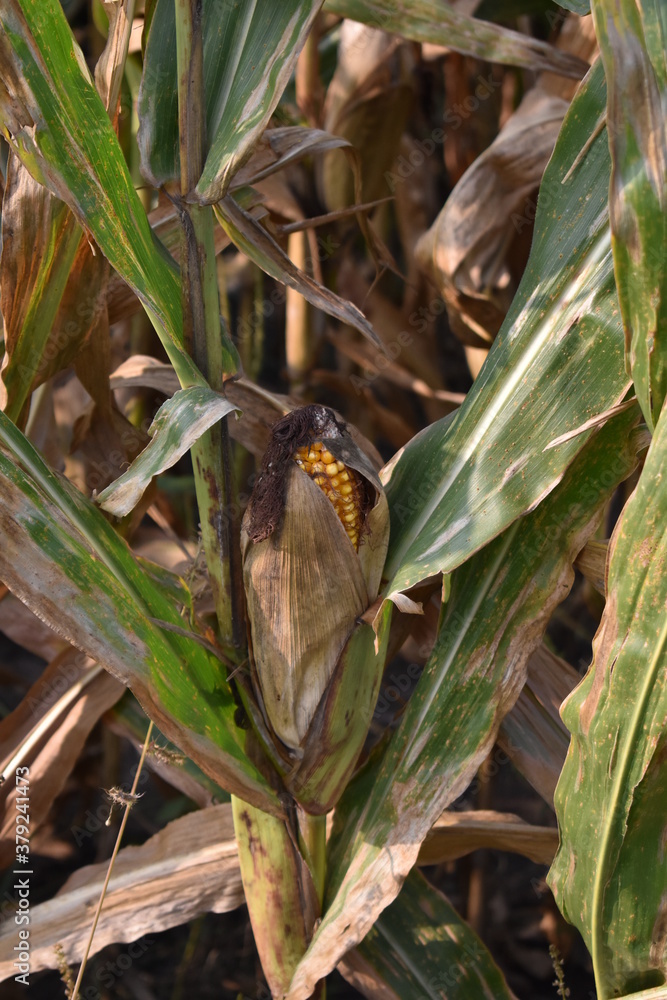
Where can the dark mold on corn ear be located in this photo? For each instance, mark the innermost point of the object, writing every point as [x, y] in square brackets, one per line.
[300, 427]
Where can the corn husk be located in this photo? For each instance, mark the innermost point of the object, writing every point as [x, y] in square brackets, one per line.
[307, 588]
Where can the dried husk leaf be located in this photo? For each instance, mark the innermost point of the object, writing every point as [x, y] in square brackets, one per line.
[592, 564]
[305, 590]
[338, 731]
[188, 868]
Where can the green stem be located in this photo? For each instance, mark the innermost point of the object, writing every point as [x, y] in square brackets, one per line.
[205, 339]
[313, 830]
[278, 891]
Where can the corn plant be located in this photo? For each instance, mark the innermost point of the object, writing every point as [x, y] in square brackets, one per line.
[270, 692]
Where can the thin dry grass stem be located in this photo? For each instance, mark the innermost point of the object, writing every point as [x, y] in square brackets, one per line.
[129, 802]
[323, 220]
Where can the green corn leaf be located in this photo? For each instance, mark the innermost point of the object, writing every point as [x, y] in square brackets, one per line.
[610, 873]
[40, 238]
[250, 50]
[62, 558]
[432, 21]
[177, 425]
[420, 947]
[576, 6]
[556, 363]
[55, 121]
[499, 604]
[633, 45]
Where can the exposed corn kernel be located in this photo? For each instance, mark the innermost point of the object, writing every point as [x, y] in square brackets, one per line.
[341, 486]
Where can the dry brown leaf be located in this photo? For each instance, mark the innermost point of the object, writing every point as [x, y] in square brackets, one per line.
[142, 370]
[32, 221]
[476, 256]
[475, 93]
[592, 563]
[260, 409]
[367, 103]
[467, 250]
[459, 833]
[111, 64]
[533, 734]
[190, 867]
[408, 333]
[53, 756]
[375, 364]
[24, 628]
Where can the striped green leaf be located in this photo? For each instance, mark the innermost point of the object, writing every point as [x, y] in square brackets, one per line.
[433, 21]
[250, 50]
[633, 45]
[498, 607]
[422, 949]
[556, 363]
[55, 121]
[610, 873]
[65, 562]
[177, 425]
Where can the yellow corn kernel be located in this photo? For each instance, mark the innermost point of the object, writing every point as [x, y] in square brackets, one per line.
[341, 486]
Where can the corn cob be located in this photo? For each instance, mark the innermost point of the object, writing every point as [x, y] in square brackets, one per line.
[341, 486]
[306, 590]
